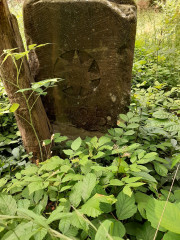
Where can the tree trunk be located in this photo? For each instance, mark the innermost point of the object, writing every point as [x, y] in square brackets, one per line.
[39, 130]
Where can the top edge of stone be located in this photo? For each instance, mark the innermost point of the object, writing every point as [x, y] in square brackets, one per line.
[129, 2]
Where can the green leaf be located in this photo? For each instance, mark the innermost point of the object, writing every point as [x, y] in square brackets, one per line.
[174, 127]
[65, 188]
[65, 168]
[129, 133]
[3, 181]
[14, 107]
[42, 204]
[24, 90]
[117, 229]
[76, 194]
[130, 115]
[68, 152]
[102, 232]
[35, 186]
[177, 195]
[145, 176]
[133, 125]
[149, 157]
[47, 142]
[34, 178]
[122, 125]
[72, 177]
[123, 117]
[23, 203]
[118, 131]
[136, 184]
[142, 201]
[18, 175]
[8, 205]
[56, 214]
[98, 168]
[146, 232]
[123, 166]
[160, 169]
[132, 227]
[64, 224]
[44, 83]
[125, 206]
[51, 164]
[21, 231]
[76, 144]
[110, 229]
[32, 46]
[16, 153]
[116, 238]
[38, 219]
[127, 190]
[175, 160]
[161, 115]
[131, 179]
[112, 169]
[40, 235]
[105, 207]
[103, 140]
[99, 155]
[42, 45]
[60, 139]
[72, 233]
[141, 154]
[19, 55]
[171, 216]
[135, 119]
[92, 206]
[133, 146]
[116, 182]
[30, 170]
[171, 236]
[141, 197]
[5, 58]
[79, 221]
[88, 184]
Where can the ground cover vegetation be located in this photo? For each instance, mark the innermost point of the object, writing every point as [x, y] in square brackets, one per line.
[113, 187]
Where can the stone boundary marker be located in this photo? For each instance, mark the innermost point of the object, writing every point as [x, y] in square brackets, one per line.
[92, 47]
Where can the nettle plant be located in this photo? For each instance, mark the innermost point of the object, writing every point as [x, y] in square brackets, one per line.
[112, 187]
[37, 89]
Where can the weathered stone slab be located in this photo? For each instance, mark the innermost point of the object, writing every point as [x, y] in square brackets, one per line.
[92, 49]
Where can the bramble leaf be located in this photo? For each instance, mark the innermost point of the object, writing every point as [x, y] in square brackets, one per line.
[125, 206]
[88, 184]
[171, 216]
[76, 144]
[92, 206]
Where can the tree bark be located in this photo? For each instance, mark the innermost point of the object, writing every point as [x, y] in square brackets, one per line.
[10, 38]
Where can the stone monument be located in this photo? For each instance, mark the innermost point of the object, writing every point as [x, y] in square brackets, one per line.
[91, 48]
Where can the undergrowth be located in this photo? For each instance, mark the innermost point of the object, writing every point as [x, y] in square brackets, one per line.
[114, 187]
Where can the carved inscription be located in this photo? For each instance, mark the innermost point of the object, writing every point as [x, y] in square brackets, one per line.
[80, 71]
[90, 118]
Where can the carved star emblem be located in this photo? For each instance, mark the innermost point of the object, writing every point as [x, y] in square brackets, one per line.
[80, 71]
